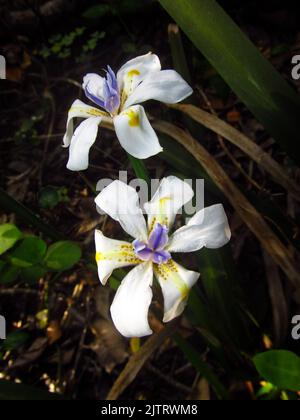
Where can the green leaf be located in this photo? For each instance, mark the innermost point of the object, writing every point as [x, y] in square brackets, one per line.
[9, 274]
[62, 256]
[195, 359]
[32, 274]
[30, 252]
[280, 367]
[97, 12]
[9, 235]
[8, 203]
[139, 168]
[15, 340]
[255, 81]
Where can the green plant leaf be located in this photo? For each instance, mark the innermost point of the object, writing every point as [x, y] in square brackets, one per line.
[62, 256]
[255, 81]
[195, 358]
[279, 367]
[30, 252]
[8, 203]
[9, 235]
[32, 274]
[97, 11]
[9, 274]
[15, 339]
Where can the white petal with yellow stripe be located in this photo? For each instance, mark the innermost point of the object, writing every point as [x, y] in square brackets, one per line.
[165, 86]
[135, 133]
[134, 72]
[79, 110]
[176, 283]
[111, 255]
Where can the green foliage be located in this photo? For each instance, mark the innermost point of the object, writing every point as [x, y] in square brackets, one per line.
[9, 235]
[93, 41]
[64, 46]
[97, 12]
[60, 45]
[255, 81]
[30, 259]
[14, 340]
[50, 197]
[9, 274]
[280, 367]
[30, 252]
[62, 256]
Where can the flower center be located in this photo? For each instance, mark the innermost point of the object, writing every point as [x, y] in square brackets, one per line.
[110, 97]
[154, 250]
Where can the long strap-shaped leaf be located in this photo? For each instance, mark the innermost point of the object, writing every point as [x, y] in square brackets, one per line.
[255, 81]
[244, 143]
[254, 220]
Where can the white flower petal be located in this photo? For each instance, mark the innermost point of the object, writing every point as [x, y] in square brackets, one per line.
[171, 196]
[134, 71]
[121, 202]
[82, 140]
[208, 228]
[135, 133]
[112, 254]
[165, 86]
[130, 307]
[78, 110]
[176, 283]
[93, 83]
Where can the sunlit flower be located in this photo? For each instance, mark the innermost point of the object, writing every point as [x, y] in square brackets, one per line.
[151, 251]
[119, 97]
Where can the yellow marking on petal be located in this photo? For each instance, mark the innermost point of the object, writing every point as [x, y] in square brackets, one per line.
[92, 111]
[134, 118]
[164, 200]
[124, 254]
[170, 272]
[98, 257]
[133, 73]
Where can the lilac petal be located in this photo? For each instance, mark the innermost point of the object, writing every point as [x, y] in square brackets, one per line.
[139, 245]
[145, 255]
[111, 92]
[161, 257]
[142, 251]
[112, 79]
[93, 98]
[159, 237]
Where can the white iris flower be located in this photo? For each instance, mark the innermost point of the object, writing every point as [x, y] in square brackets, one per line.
[151, 251]
[119, 96]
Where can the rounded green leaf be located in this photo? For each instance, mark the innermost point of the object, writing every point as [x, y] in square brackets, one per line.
[62, 256]
[9, 274]
[280, 367]
[31, 275]
[9, 235]
[31, 251]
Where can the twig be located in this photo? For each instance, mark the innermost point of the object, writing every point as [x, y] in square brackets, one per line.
[248, 146]
[225, 148]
